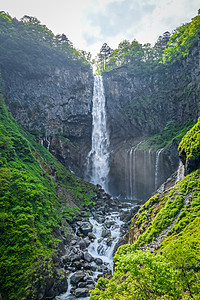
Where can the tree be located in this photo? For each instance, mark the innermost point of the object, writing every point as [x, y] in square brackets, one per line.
[32, 20]
[104, 55]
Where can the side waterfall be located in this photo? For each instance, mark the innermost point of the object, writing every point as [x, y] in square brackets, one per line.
[98, 158]
[180, 171]
[158, 152]
[130, 171]
[143, 172]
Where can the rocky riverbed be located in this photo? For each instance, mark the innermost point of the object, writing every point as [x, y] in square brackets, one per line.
[92, 242]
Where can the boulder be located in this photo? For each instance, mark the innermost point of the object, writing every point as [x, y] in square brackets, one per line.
[81, 292]
[76, 277]
[88, 257]
[98, 261]
[76, 257]
[85, 228]
[82, 284]
[109, 242]
[106, 233]
[91, 236]
[82, 244]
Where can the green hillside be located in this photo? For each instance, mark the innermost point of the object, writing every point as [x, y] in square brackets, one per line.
[38, 196]
[162, 259]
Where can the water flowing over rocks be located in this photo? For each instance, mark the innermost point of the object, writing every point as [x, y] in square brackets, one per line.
[92, 242]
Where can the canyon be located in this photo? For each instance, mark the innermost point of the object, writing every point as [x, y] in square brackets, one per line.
[56, 107]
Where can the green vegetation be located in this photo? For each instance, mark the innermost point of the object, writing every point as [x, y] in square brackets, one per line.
[144, 275]
[37, 194]
[182, 41]
[163, 261]
[140, 58]
[29, 47]
[190, 144]
[169, 134]
[172, 271]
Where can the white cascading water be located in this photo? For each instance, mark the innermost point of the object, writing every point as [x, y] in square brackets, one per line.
[158, 152]
[180, 171]
[98, 157]
[99, 247]
[130, 165]
[131, 172]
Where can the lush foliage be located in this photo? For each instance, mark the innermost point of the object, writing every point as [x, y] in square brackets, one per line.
[172, 274]
[166, 137]
[172, 220]
[183, 40]
[30, 47]
[141, 58]
[36, 194]
[190, 143]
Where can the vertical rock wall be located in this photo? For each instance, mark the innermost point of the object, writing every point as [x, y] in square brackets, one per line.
[140, 105]
[56, 108]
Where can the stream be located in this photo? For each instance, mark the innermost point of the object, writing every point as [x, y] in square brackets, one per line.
[89, 253]
[97, 256]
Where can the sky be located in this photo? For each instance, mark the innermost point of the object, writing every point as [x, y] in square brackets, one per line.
[90, 23]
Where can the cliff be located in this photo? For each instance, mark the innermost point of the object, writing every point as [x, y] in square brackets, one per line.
[56, 108]
[163, 242]
[143, 103]
[48, 87]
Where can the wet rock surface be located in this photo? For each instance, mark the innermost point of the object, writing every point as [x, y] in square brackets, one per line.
[93, 239]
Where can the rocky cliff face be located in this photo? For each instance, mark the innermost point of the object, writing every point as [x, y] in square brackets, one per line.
[56, 107]
[141, 104]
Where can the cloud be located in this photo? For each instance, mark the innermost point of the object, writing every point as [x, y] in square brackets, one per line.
[116, 18]
[90, 23]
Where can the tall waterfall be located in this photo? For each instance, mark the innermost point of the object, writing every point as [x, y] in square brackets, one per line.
[98, 157]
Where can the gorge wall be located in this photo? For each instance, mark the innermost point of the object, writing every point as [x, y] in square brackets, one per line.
[140, 105]
[56, 108]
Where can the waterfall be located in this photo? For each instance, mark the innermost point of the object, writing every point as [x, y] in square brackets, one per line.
[130, 172]
[98, 157]
[158, 152]
[180, 171]
[143, 172]
[45, 142]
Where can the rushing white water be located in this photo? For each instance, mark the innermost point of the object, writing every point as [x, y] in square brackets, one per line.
[100, 248]
[131, 172]
[158, 152]
[180, 171]
[45, 142]
[98, 157]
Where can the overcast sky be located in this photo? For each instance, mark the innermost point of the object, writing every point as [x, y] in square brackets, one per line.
[90, 23]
